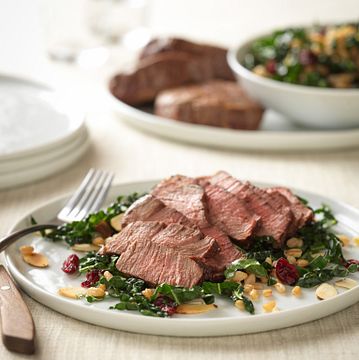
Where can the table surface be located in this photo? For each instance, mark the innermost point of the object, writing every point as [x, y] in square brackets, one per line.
[134, 155]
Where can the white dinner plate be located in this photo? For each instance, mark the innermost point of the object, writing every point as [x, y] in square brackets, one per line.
[43, 284]
[47, 165]
[34, 118]
[28, 162]
[276, 133]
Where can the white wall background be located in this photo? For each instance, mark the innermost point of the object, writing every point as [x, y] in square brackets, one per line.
[229, 21]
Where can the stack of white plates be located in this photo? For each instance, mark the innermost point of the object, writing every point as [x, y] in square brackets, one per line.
[41, 132]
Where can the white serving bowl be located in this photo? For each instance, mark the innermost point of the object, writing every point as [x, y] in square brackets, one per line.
[314, 107]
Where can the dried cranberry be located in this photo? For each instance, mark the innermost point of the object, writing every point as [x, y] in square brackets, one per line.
[351, 262]
[306, 57]
[166, 304]
[271, 66]
[286, 273]
[71, 264]
[92, 277]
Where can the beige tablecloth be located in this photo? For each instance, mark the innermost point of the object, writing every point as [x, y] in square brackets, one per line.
[133, 155]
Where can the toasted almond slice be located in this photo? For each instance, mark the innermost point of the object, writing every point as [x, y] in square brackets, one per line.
[96, 292]
[148, 293]
[239, 304]
[344, 239]
[26, 249]
[195, 308]
[326, 291]
[98, 241]
[72, 292]
[36, 259]
[269, 306]
[239, 276]
[295, 242]
[346, 283]
[85, 247]
[108, 276]
[116, 222]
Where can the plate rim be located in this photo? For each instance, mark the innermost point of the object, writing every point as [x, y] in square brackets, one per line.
[189, 327]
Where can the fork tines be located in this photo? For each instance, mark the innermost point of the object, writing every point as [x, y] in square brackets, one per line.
[88, 197]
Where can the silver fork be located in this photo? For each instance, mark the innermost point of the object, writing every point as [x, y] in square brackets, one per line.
[87, 199]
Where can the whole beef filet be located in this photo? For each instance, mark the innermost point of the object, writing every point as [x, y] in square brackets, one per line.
[156, 73]
[216, 55]
[214, 103]
[157, 264]
[277, 218]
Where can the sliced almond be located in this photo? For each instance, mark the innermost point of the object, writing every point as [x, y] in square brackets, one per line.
[96, 292]
[26, 249]
[269, 306]
[239, 304]
[85, 247]
[72, 292]
[36, 259]
[295, 242]
[195, 308]
[326, 291]
[346, 283]
[344, 239]
[98, 241]
[116, 222]
[239, 276]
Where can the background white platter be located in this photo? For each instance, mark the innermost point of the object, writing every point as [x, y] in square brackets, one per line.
[42, 285]
[276, 133]
[34, 118]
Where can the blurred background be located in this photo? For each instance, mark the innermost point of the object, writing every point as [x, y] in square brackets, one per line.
[28, 28]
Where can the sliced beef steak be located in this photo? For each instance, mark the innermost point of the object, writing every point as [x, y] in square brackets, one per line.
[183, 239]
[138, 231]
[277, 218]
[216, 55]
[157, 264]
[215, 103]
[149, 208]
[230, 214]
[302, 213]
[182, 194]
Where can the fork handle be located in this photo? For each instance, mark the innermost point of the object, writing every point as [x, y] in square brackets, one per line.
[9, 239]
[17, 325]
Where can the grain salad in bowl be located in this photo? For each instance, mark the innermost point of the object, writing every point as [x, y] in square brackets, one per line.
[309, 74]
[323, 56]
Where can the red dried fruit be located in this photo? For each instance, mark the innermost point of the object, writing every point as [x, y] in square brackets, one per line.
[92, 277]
[306, 57]
[166, 304]
[286, 272]
[351, 262]
[71, 264]
[271, 66]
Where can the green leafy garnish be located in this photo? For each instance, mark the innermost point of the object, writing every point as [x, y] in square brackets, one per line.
[79, 232]
[249, 265]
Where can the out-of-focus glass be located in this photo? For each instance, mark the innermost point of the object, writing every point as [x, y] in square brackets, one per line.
[80, 30]
[119, 20]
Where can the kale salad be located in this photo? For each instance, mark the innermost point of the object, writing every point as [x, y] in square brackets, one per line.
[309, 259]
